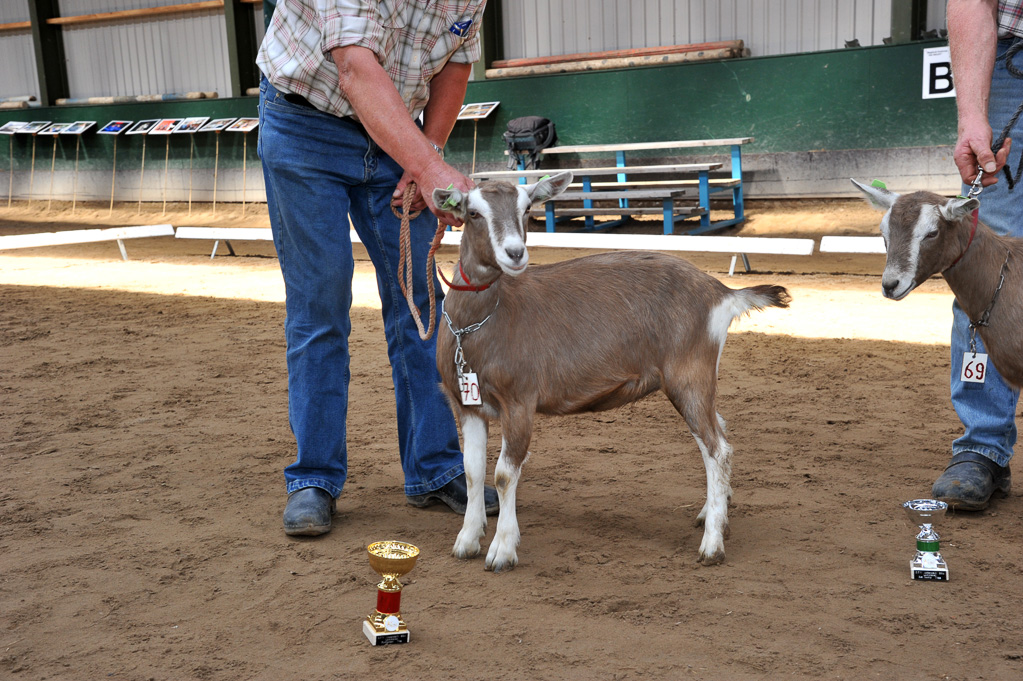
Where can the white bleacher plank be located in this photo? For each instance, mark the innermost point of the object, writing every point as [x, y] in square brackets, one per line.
[675, 242]
[83, 236]
[225, 233]
[852, 244]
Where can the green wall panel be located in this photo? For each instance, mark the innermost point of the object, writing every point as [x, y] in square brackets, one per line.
[865, 98]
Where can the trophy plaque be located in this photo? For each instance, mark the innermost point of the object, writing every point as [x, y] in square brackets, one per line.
[390, 560]
[927, 564]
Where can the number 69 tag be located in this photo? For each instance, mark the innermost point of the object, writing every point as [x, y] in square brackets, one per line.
[974, 367]
[469, 387]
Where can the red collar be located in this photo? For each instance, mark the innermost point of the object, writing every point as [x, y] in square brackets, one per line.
[465, 277]
[973, 231]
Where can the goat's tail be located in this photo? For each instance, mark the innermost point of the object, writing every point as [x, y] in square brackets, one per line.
[761, 297]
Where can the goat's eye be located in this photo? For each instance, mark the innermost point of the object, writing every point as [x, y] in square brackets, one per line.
[931, 234]
[474, 214]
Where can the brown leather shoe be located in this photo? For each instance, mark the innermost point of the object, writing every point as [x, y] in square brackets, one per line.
[969, 481]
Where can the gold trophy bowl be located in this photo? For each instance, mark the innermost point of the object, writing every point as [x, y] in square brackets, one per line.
[390, 560]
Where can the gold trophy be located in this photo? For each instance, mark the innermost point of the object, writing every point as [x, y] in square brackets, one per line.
[390, 560]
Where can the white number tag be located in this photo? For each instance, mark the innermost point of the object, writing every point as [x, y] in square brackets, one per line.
[974, 367]
[469, 386]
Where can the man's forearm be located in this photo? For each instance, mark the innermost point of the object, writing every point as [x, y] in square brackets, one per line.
[447, 92]
[381, 110]
[972, 36]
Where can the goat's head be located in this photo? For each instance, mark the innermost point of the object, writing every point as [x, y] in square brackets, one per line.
[494, 215]
[924, 234]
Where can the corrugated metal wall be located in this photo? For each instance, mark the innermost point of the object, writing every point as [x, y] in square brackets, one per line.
[536, 28]
[169, 54]
[17, 56]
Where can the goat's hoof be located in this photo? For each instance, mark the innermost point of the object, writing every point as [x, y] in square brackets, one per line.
[466, 549]
[715, 558]
[501, 565]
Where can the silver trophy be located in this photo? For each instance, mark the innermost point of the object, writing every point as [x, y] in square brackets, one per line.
[928, 563]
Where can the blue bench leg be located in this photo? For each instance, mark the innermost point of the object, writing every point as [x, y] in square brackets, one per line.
[705, 198]
[588, 203]
[737, 200]
[669, 218]
[549, 215]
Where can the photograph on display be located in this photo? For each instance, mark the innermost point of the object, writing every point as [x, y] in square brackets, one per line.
[192, 124]
[477, 110]
[142, 127]
[33, 127]
[114, 128]
[12, 127]
[55, 129]
[217, 124]
[165, 127]
[243, 125]
[78, 127]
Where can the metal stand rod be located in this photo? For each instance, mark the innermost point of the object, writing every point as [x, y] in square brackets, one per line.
[53, 164]
[166, 163]
[113, 178]
[32, 172]
[245, 153]
[216, 167]
[74, 190]
[142, 176]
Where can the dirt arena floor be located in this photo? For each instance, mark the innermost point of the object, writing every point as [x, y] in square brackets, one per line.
[143, 430]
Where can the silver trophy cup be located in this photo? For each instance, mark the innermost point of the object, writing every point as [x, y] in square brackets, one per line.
[927, 564]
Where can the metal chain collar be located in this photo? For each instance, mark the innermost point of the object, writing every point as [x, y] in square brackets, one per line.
[985, 318]
[460, 362]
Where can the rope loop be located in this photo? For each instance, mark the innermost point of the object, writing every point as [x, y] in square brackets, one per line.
[405, 262]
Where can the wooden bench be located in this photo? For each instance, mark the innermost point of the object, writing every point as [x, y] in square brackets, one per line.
[84, 236]
[695, 177]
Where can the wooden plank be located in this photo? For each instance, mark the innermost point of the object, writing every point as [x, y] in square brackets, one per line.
[852, 244]
[616, 54]
[750, 245]
[82, 236]
[656, 194]
[16, 26]
[631, 210]
[137, 13]
[225, 233]
[640, 146]
[603, 170]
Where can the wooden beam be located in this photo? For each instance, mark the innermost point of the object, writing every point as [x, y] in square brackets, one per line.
[16, 26]
[137, 13]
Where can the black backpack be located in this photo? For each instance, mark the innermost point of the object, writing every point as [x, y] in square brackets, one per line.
[527, 137]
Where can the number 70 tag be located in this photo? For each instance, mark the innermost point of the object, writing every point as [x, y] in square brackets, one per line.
[974, 367]
[469, 387]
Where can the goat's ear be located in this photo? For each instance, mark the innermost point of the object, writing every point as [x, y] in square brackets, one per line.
[450, 200]
[549, 187]
[958, 208]
[878, 197]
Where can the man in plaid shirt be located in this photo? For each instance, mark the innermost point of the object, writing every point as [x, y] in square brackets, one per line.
[344, 83]
[982, 34]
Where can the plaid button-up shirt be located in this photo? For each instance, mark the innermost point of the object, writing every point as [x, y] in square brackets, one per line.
[1010, 18]
[412, 40]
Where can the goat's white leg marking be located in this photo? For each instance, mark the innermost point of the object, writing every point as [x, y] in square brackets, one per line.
[502, 554]
[715, 511]
[474, 448]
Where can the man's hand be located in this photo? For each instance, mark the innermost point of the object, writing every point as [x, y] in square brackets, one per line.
[437, 174]
[973, 150]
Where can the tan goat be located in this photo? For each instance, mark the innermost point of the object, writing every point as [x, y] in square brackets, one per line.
[588, 334]
[926, 234]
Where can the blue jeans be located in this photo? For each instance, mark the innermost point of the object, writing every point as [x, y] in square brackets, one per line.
[988, 410]
[319, 170]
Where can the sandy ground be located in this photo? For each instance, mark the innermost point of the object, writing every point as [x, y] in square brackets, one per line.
[143, 429]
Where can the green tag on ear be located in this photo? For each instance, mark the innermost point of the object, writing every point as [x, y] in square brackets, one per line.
[449, 202]
[879, 184]
[545, 177]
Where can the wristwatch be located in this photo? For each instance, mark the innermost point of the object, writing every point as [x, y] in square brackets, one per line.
[440, 150]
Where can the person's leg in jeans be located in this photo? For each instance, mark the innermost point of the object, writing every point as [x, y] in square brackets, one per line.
[427, 436]
[980, 458]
